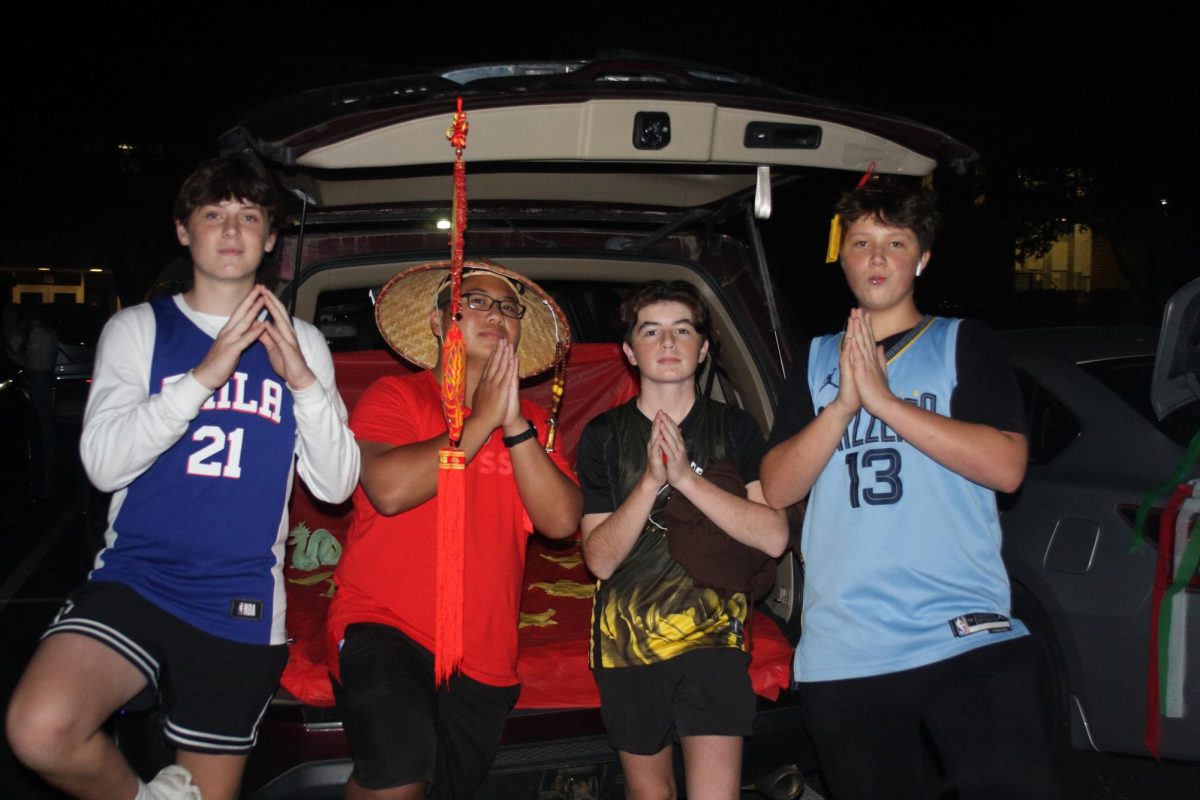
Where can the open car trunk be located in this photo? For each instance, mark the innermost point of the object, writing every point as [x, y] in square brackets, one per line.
[588, 177]
[554, 621]
[555, 611]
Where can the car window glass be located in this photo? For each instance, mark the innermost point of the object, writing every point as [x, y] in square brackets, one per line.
[1129, 379]
[592, 308]
[347, 316]
[1051, 426]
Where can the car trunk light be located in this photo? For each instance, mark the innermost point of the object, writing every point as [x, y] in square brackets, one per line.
[783, 136]
[1150, 535]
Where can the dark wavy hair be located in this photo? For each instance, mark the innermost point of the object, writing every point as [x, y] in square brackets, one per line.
[236, 177]
[911, 207]
[652, 292]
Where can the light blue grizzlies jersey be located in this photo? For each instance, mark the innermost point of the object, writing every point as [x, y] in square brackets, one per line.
[198, 533]
[902, 555]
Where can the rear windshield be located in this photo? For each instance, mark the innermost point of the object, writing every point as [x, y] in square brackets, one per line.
[1130, 379]
[347, 316]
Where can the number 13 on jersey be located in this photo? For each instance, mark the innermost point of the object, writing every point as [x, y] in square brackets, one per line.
[881, 467]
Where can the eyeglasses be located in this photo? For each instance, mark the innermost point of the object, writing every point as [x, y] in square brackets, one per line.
[478, 301]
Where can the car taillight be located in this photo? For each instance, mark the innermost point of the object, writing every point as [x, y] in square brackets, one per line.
[1150, 533]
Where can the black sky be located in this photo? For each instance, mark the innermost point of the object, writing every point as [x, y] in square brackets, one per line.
[1075, 87]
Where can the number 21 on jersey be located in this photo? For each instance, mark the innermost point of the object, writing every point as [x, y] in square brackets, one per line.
[221, 453]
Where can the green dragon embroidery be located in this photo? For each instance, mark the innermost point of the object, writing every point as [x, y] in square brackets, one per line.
[311, 550]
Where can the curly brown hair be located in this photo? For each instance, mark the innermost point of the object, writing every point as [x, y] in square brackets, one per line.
[911, 207]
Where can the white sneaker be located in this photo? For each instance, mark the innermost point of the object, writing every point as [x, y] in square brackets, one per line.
[171, 783]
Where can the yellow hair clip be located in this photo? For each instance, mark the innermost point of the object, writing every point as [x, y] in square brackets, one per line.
[833, 249]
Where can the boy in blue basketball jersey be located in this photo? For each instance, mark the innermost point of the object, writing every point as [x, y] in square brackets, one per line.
[201, 404]
[900, 431]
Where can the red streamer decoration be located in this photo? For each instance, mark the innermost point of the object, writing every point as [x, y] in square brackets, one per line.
[1162, 579]
[866, 176]
[452, 462]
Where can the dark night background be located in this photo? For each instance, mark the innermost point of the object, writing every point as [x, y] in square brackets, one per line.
[1108, 93]
[104, 110]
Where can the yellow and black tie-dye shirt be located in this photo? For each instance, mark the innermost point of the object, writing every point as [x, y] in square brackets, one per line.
[651, 610]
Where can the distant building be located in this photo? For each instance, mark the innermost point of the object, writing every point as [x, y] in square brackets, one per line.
[60, 286]
[1065, 267]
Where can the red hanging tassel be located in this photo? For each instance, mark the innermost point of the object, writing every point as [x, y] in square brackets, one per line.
[451, 523]
[452, 462]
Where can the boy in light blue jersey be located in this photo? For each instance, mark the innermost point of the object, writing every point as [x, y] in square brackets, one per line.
[900, 431]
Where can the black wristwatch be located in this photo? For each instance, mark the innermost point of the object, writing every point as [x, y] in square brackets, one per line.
[513, 441]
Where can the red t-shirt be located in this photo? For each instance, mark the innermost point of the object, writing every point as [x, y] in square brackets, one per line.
[388, 570]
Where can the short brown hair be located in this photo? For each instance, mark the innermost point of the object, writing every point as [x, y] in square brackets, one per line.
[911, 207]
[651, 292]
[236, 177]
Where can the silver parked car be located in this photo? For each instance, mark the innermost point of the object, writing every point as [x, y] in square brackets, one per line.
[1097, 447]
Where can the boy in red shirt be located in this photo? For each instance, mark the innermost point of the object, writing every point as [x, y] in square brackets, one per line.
[405, 732]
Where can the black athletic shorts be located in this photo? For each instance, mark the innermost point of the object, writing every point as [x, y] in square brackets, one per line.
[980, 711]
[213, 692]
[705, 692]
[401, 729]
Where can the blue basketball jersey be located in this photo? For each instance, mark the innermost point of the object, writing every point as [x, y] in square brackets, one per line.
[902, 555]
[199, 532]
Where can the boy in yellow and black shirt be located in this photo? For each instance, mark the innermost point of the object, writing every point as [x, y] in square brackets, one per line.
[673, 476]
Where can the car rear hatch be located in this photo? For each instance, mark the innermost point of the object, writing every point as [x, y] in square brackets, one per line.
[652, 149]
[613, 171]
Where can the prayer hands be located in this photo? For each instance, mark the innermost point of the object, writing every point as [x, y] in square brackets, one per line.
[674, 451]
[863, 365]
[497, 401]
[847, 397]
[666, 454]
[241, 330]
[283, 348]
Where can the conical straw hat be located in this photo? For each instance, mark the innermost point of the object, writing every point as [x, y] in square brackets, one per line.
[402, 313]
